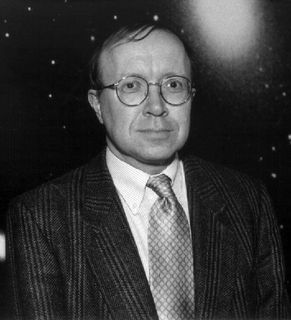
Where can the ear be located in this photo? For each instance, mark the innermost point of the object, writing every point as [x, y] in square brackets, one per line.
[95, 104]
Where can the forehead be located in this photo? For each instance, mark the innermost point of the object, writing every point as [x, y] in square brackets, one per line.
[159, 53]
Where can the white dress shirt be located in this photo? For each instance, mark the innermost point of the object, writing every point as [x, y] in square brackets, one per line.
[137, 199]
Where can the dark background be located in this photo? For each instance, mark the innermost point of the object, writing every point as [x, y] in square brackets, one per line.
[241, 116]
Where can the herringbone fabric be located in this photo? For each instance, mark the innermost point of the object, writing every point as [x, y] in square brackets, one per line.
[170, 254]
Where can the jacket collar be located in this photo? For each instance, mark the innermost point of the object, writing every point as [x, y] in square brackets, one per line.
[200, 183]
[100, 190]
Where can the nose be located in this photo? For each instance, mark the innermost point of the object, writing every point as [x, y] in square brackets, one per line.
[154, 104]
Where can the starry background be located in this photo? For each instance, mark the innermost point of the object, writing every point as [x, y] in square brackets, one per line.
[241, 115]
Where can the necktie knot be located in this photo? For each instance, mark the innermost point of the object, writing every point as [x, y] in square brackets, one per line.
[161, 185]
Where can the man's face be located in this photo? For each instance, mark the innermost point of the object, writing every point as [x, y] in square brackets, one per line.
[146, 136]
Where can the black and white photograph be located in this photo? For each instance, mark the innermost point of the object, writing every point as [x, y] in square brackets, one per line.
[145, 161]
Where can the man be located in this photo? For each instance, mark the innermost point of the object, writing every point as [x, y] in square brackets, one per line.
[139, 233]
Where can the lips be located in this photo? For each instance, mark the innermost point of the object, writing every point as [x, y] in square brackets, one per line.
[155, 134]
[154, 130]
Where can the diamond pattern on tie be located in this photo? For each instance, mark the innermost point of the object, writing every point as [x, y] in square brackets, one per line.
[170, 254]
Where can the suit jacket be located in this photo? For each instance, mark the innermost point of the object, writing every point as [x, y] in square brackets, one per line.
[72, 255]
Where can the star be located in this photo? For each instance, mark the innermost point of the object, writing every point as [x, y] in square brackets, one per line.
[273, 148]
[53, 62]
[7, 35]
[273, 175]
[92, 38]
[115, 17]
[155, 17]
[29, 8]
[50, 95]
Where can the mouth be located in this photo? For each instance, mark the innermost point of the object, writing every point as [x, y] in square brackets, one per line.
[156, 133]
[155, 130]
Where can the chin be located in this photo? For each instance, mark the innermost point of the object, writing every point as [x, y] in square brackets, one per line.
[158, 158]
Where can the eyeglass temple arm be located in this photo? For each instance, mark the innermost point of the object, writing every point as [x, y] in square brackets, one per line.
[110, 86]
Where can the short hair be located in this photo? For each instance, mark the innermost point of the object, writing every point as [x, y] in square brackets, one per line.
[130, 33]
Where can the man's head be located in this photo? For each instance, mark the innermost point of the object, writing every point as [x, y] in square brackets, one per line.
[147, 114]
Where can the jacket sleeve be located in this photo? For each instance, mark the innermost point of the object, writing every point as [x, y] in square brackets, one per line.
[272, 298]
[36, 285]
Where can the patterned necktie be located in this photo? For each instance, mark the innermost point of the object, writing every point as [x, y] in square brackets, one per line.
[170, 254]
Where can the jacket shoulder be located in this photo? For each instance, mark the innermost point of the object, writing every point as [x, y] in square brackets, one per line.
[226, 183]
[54, 189]
[215, 171]
[50, 206]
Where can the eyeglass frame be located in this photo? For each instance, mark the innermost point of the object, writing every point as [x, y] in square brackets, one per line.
[160, 83]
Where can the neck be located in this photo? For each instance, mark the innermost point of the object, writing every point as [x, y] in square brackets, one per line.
[149, 167]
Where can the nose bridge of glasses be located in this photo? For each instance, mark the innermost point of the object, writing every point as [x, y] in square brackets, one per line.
[154, 83]
[157, 84]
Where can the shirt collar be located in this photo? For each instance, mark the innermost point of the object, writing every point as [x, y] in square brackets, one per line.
[130, 182]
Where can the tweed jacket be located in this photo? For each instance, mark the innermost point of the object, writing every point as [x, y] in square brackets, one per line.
[71, 253]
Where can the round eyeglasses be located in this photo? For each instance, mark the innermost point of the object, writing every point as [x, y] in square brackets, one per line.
[133, 90]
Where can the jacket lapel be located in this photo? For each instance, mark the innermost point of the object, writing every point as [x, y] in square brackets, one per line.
[213, 242]
[110, 248]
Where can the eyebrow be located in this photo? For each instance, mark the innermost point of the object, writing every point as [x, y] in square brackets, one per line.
[168, 74]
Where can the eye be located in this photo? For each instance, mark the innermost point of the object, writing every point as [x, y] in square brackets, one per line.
[175, 84]
[131, 85]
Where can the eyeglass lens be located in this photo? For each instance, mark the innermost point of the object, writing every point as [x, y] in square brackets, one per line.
[133, 91]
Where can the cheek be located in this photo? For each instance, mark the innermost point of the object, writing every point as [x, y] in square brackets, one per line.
[117, 119]
[183, 120]
[109, 110]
